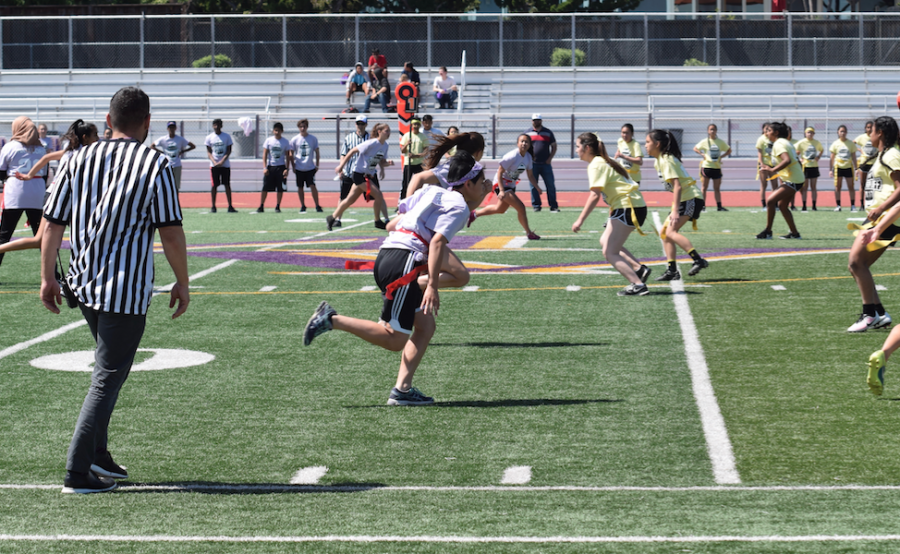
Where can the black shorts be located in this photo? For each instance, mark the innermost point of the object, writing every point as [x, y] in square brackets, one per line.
[889, 234]
[307, 178]
[626, 215]
[505, 189]
[390, 265]
[355, 87]
[359, 179]
[793, 186]
[811, 172]
[346, 185]
[691, 208]
[711, 173]
[274, 180]
[220, 176]
[845, 172]
[865, 168]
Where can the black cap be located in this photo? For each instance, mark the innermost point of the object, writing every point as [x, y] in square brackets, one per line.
[171, 124]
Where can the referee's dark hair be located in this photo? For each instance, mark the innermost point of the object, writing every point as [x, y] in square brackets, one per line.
[128, 108]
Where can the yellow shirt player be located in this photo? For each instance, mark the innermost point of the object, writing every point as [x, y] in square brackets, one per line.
[842, 165]
[609, 180]
[712, 150]
[809, 151]
[632, 150]
[764, 158]
[793, 173]
[866, 150]
[879, 183]
[786, 166]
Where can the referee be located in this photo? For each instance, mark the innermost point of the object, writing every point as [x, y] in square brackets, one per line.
[115, 195]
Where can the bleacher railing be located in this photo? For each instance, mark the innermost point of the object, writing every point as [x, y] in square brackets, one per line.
[492, 40]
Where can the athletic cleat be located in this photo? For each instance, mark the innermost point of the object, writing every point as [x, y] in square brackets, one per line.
[319, 209]
[853, 209]
[86, 483]
[231, 210]
[791, 236]
[412, 397]
[105, 466]
[260, 210]
[721, 209]
[380, 224]
[875, 378]
[277, 209]
[882, 321]
[319, 323]
[634, 290]
[329, 220]
[302, 209]
[670, 275]
[863, 324]
[698, 265]
[472, 216]
[814, 209]
[644, 273]
[793, 208]
[212, 210]
[765, 235]
[533, 236]
[837, 209]
[554, 210]
[804, 209]
[337, 222]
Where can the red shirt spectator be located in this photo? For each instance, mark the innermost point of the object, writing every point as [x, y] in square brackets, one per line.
[376, 59]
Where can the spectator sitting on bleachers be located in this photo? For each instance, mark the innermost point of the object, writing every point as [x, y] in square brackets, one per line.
[413, 75]
[380, 90]
[377, 60]
[356, 81]
[445, 89]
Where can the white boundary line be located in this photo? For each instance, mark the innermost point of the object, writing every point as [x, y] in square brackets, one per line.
[76, 324]
[451, 538]
[717, 442]
[238, 489]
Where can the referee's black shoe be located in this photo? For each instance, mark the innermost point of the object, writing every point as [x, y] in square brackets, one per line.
[86, 483]
[105, 466]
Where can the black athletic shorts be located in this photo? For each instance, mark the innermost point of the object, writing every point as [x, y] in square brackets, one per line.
[346, 185]
[811, 172]
[505, 189]
[845, 172]
[795, 186]
[275, 179]
[889, 234]
[360, 180]
[219, 175]
[391, 264]
[865, 168]
[691, 208]
[711, 173]
[307, 178]
[626, 215]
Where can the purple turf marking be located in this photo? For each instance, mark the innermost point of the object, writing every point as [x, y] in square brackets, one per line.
[285, 258]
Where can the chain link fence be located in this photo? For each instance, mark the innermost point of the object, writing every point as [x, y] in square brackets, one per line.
[517, 41]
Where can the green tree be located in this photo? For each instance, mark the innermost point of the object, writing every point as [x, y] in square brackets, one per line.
[567, 6]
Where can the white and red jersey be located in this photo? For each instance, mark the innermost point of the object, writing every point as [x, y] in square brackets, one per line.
[513, 165]
[429, 211]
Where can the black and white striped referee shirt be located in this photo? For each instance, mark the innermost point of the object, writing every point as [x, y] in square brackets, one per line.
[351, 141]
[114, 194]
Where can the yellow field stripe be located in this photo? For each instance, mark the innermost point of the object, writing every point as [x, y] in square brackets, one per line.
[491, 242]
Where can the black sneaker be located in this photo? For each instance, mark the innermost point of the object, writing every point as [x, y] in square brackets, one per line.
[337, 222]
[554, 210]
[105, 466]
[302, 209]
[644, 273]
[791, 236]
[634, 290]
[319, 209]
[260, 210]
[319, 323]
[669, 275]
[721, 209]
[765, 235]
[536, 209]
[212, 210]
[231, 210]
[412, 397]
[86, 483]
[277, 209]
[380, 224]
[698, 265]
[329, 220]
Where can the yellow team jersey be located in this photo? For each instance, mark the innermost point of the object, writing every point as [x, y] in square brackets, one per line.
[617, 191]
[763, 145]
[793, 173]
[418, 144]
[670, 168]
[633, 149]
[712, 150]
[879, 185]
[867, 151]
[843, 151]
[808, 151]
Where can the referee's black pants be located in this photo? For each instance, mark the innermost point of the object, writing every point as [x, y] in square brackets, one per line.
[117, 337]
[408, 172]
[10, 219]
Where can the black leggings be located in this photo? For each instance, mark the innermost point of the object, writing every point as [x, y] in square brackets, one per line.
[10, 219]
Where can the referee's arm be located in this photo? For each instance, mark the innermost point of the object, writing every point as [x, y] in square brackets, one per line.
[175, 248]
[50, 243]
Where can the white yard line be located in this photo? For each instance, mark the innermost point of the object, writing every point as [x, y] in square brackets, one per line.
[268, 288]
[717, 442]
[76, 324]
[688, 539]
[517, 242]
[322, 234]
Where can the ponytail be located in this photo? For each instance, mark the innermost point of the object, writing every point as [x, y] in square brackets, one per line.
[76, 133]
[890, 134]
[593, 143]
[472, 143]
[668, 144]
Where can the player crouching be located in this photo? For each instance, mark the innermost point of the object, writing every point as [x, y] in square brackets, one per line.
[416, 245]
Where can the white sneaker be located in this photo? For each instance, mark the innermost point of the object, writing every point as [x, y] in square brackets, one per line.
[853, 209]
[837, 209]
[882, 321]
[863, 324]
